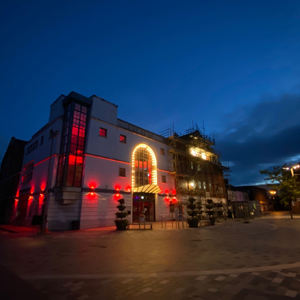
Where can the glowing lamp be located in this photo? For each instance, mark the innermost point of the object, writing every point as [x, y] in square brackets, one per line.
[92, 190]
[173, 192]
[167, 192]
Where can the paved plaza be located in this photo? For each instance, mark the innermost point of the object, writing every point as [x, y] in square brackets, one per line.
[232, 260]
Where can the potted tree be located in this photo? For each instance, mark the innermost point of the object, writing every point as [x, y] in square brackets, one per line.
[209, 207]
[193, 219]
[121, 221]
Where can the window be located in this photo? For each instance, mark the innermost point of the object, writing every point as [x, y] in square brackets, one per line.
[123, 138]
[199, 184]
[32, 147]
[192, 165]
[163, 179]
[27, 173]
[142, 167]
[103, 132]
[70, 163]
[122, 172]
[204, 185]
[198, 168]
[209, 186]
[162, 151]
[42, 140]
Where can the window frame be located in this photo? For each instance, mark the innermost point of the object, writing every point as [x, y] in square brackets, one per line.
[125, 139]
[163, 178]
[105, 130]
[120, 172]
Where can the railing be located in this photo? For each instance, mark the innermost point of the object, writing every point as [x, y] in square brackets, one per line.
[163, 222]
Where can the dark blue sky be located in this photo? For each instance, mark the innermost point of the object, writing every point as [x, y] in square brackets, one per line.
[233, 64]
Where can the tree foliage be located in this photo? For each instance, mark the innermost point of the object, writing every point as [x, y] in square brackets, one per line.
[282, 180]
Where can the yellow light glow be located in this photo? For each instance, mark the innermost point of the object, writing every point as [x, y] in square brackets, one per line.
[153, 163]
[272, 192]
[198, 152]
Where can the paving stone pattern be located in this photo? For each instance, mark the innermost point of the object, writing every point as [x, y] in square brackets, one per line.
[248, 286]
[232, 260]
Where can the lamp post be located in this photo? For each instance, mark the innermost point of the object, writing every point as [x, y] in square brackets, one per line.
[53, 134]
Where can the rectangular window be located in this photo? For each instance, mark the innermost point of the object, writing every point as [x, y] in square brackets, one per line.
[209, 186]
[198, 168]
[122, 172]
[163, 179]
[204, 185]
[162, 151]
[27, 173]
[103, 132]
[192, 165]
[42, 140]
[123, 138]
[199, 184]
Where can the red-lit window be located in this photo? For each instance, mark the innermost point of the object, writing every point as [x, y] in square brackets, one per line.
[162, 151]
[27, 173]
[122, 172]
[163, 179]
[103, 132]
[123, 138]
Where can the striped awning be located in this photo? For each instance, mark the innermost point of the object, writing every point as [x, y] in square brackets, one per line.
[148, 188]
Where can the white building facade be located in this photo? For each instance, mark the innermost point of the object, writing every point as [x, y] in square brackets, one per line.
[85, 159]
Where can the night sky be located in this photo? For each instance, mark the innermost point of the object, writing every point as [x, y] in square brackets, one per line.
[232, 65]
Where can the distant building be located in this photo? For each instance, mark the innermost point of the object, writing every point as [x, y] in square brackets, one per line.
[11, 167]
[85, 159]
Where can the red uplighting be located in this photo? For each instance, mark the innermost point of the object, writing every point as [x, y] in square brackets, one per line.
[32, 190]
[167, 192]
[43, 186]
[117, 196]
[92, 185]
[117, 188]
[128, 189]
[173, 192]
[92, 193]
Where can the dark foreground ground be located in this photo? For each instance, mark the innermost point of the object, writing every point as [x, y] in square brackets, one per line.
[233, 260]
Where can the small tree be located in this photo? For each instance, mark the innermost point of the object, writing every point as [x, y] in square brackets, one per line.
[193, 219]
[210, 210]
[121, 221]
[286, 183]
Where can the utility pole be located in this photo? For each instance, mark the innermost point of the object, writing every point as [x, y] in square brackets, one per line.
[53, 134]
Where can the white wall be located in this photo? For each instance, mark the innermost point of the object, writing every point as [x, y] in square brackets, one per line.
[104, 110]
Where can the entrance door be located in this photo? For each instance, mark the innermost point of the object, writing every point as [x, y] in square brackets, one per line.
[144, 207]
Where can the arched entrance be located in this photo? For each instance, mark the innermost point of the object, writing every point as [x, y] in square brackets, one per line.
[144, 183]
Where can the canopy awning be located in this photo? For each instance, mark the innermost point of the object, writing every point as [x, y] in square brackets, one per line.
[148, 188]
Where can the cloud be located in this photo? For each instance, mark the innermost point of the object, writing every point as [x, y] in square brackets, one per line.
[260, 136]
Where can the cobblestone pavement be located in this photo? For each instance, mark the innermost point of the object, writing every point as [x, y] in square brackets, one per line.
[232, 260]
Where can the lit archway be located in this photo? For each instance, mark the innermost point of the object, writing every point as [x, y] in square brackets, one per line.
[144, 166]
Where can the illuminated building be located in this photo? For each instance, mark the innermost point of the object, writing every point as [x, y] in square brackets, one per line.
[84, 159]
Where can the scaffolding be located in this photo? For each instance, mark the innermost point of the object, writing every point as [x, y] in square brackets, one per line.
[195, 164]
